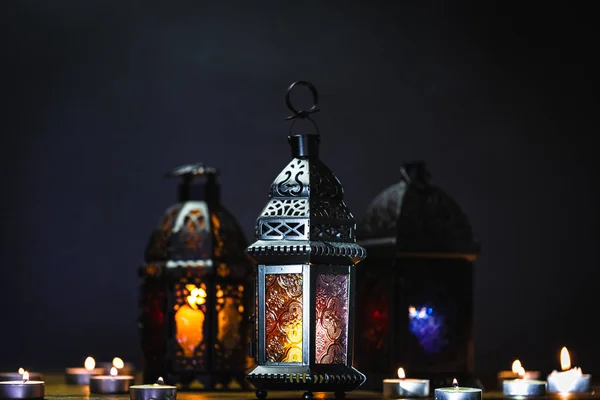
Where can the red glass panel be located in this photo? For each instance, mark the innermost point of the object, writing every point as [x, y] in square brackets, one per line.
[283, 313]
[332, 319]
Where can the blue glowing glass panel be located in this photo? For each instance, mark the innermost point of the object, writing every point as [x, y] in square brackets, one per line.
[429, 328]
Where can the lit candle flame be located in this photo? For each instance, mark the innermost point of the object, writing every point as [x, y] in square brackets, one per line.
[401, 373]
[25, 376]
[455, 383]
[516, 366]
[565, 359]
[521, 372]
[160, 381]
[21, 371]
[89, 363]
[113, 371]
[118, 363]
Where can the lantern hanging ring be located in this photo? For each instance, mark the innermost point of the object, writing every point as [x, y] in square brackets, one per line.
[303, 114]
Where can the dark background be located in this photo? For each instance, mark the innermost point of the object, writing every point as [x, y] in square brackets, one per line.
[100, 98]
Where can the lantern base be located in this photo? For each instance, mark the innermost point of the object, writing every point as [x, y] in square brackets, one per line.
[316, 378]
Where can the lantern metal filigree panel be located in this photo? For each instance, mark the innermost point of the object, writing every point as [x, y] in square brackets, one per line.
[416, 288]
[306, 253]
[197, 290]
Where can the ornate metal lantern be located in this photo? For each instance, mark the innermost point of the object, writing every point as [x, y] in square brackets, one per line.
[196, 289]
[306, 251]
[415, 289]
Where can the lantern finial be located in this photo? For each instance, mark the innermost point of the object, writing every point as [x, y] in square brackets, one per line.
[304, 114]
[191, 170]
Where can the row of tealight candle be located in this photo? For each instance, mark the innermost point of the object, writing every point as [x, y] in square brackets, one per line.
[30, 386]
[403, 388]
[520, 382]
[515, 383]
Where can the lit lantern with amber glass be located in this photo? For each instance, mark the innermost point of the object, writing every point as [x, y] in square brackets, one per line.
[197, 290]
[415, 291]
[306, 253]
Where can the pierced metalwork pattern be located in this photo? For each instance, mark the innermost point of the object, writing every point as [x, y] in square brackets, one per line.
[332, 319]
[330, 208]
[283, 229]
[382, 214]
[286, 208]
[293, 181]
[191, 239]
[157, 248]
[339, 233]
[326, 183]
[283, 317]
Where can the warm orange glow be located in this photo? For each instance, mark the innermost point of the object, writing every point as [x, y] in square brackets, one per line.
[516, 366]
[189, 321]
[25, 376]
[565, 359]
[113, 371]
[401, 373]
[89, 363]
[118, 363]
[197, 296]
[454, 383]
[21, 371]
[294, 341]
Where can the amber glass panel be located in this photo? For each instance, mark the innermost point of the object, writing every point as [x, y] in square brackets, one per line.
[229, 317]
[189, 319]
[283, 313]
[332, 319]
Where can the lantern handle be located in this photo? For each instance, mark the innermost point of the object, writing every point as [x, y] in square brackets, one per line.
[302, 114]
[189, 171]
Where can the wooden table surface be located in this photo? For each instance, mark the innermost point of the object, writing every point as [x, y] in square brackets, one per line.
[56, 389]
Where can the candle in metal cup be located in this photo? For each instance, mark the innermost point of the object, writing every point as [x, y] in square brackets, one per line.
[81, 376]
[124, 368]
[22, 389]
[156, 391]
[457, 393]
[517, 372]
[570, 380]
[18, 375]
[523, 387]
[404, 388]
[111, 384]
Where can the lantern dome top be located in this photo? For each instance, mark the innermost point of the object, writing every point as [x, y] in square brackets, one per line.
[306, 219]
[415, 216]
[197, 231]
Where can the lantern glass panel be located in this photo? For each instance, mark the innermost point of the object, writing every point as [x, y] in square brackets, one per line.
[230, 311]
[283, 317]
[190, 316]
[331, 343]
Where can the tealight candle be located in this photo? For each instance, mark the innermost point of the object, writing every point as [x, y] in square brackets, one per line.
[22, 389]
[518, 372]
[156, 391]
[523, 387]
[110, 384]
[570, 380]
[15, 376]
[402, 387]
[457, 393]
[122, 367]
[81, 376]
